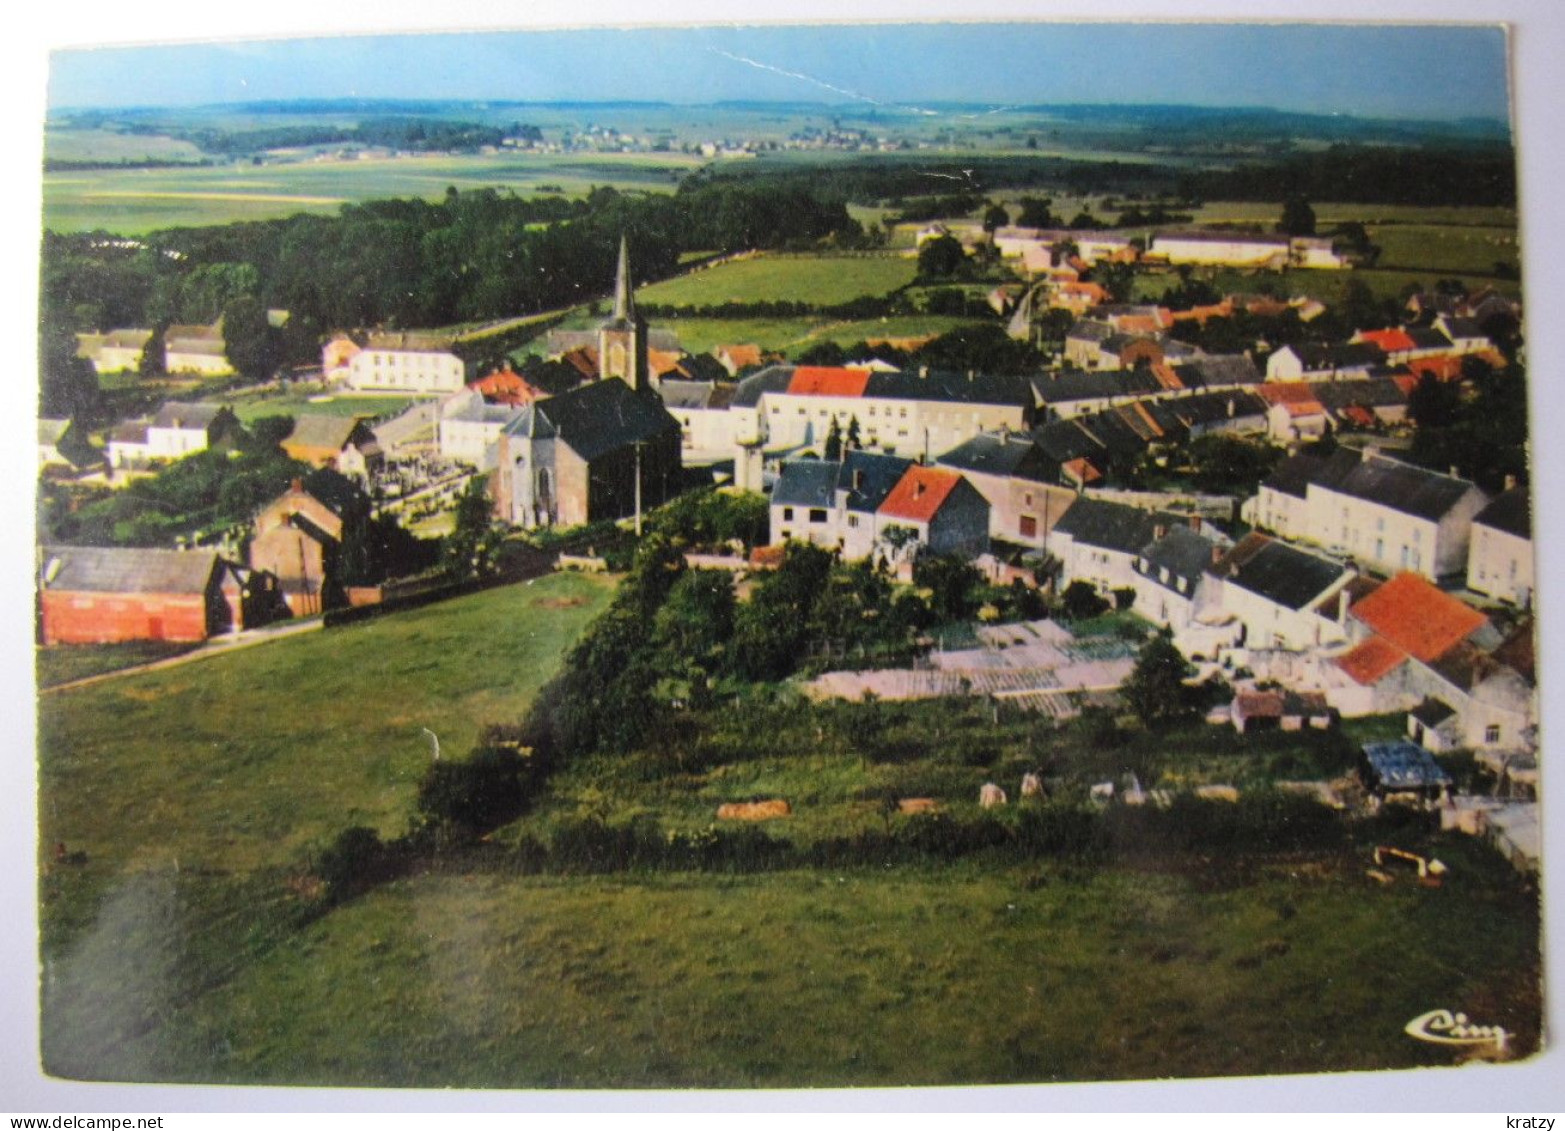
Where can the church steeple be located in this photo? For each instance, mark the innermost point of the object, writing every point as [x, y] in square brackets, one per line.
[622, 338]
[624, 304]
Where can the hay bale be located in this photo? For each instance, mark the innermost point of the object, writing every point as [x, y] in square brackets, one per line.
[912, 805]
[991, 795]
[753, 810]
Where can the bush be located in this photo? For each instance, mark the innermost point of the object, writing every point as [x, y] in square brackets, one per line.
[355, 861]
[473, 795]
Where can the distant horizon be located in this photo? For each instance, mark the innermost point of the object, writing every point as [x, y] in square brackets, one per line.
[327, 103]
[1406, 72]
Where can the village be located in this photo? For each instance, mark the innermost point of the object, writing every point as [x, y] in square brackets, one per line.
[1351, 583]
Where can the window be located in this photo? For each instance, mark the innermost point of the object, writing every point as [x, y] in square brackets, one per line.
[853, 521]
[1491, 734]
[817, 514]
[787, 514]
[1029, 524]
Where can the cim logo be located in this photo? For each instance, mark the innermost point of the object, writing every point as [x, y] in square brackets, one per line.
[1442, 1027]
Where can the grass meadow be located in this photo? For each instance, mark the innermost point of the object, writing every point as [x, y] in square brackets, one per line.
[819, 280]
[254, 406]
[190, 801]
[136, 201]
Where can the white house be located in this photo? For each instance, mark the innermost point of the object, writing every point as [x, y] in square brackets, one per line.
[406, 363]
[1284, 597]
[1499, 557]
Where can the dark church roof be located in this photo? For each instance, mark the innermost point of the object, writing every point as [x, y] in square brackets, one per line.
[596, 419]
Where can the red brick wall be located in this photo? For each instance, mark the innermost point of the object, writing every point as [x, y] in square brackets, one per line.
[107, 618]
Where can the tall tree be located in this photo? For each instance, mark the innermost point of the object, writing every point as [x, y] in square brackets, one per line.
[1156, 688]
[1298, 218]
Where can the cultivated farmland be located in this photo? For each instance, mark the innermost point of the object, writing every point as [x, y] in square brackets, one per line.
[816, 280]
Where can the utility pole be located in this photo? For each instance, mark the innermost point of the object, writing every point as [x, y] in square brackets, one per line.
[638, 489]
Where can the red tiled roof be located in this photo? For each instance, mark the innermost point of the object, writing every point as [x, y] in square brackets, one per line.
[1387, 341]
[663, 362]
[828, 381]
[920, 493]
[1360, 415]
[1407, 382]
[1371, 661]
[583, 359]
[740, 356]
[1412, 614]
[1442, 368]
[1286, 392]
[1081, 470]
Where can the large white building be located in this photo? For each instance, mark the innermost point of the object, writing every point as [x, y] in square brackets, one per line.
[406, 363]
[1385, 515]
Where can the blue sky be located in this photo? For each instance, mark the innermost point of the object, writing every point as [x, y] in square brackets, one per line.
[1373, 71]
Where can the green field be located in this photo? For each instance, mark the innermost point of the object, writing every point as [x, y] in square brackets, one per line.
[820, 280]
[67, 662]
[135, 201]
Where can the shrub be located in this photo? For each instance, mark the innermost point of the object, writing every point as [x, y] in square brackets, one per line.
[355, 861]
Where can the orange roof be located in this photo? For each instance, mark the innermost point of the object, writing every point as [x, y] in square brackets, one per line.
[1419, 619]
[1081, 470]
[1443, 368]
[1371, 661]
[1407, 382]
[1139, 324]
[828, 381]
[920, 493]
[663, 362]
[583, 359]
[1387, 341]
[1166, 376]
[1286, 392]
[1359, 415]
[740, 356]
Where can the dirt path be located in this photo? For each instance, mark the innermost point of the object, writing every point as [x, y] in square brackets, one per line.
[216, 647]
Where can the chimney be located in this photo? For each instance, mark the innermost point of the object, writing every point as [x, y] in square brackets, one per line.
[1217, 553]
[296, 485]
[1510, 483]
[918, 489]
[858, 478]
[1195, 523]
[923, 371]
[1342, 606]
[1159, 532]
[1371, 451]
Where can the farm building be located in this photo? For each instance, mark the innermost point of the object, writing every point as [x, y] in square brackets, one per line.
[110, 594]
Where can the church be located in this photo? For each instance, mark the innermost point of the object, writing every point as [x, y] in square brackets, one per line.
[601, 451]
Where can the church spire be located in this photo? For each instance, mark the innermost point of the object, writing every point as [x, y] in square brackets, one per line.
[624, 306]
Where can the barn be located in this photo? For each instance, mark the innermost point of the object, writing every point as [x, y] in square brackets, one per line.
[109, 594]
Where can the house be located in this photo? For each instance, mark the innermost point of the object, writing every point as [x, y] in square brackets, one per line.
[1391, 516]
[701, 407]
[851, 505]
[1294, 412]
[1314, 362]
[735, 359]
[1499, 556]
[1098, 542]
[604, 450]
[468, 428]
[406, 362]
[196, 349]
[337, 357]
[62, 446]
[946, 513]
[1172, 581]
[1465, 334]
[342, 442]
[120, 351]
[1017, 479]
[176, 431]
[181, 429]
[911, 414]
[1284, 597]
[1411, 642]
[1386, 515]
[111, 594]
[508, 387]
[311, 538]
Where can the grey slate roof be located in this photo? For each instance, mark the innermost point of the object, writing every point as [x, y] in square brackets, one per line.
[1278, 572]
[192, 415]
[954, 388]
[1108, 526]
[1090, 330]
[1464, 328]
[1376, 392]
[114, 569]
[1432, 712]
[596, 419]
[806, 483]
[1402, 765]
[1065, 440]
[1510, 512]
[1402, 487]
[1181, 551]
[1061, 386]
[1222, 369]
[1293, 475]
[320, 430]
[51, 431]
[1012, 454]
[772, 379]
[875, 475]
[1427, 337]
[686, 394]
[335, 491]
